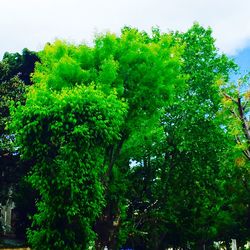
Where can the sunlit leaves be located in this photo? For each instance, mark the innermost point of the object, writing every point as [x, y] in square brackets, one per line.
[84, 102]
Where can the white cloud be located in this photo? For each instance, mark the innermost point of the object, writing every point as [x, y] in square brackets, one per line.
[32, 23]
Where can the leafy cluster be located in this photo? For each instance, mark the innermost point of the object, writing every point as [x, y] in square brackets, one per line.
[64, 133]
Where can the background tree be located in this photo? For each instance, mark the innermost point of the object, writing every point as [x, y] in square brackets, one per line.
[15, 69]
[179, 195]
[235, 100]
[21, 65]
[236, 109]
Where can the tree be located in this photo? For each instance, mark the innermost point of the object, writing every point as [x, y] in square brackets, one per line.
[149, 69]
[236, 108]
[87, 108]
[21, 65]
[235, 111]
[15, 69]
[196, 144]
[178, 193]
[10, 90]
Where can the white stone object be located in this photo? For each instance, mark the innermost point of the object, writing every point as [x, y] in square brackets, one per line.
[234, 245]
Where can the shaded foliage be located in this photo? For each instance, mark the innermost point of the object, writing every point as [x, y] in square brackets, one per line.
[15, 70]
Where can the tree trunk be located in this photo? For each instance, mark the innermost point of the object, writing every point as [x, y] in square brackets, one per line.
[107, 226]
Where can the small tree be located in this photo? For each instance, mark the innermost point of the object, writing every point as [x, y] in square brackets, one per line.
[235, 115]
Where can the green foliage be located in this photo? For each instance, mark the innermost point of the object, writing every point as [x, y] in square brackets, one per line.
[178, 193]
[130, 144]
[21, 65]
[235, 103]
[64, 134]
[14, 75]
[86, 104]
[195, 141]
[11, 90]
[235, 114]
[15, 69]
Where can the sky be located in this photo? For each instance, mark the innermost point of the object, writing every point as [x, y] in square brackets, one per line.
[32, 23]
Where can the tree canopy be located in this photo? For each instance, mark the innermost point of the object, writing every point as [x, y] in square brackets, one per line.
[85, 105]
[136, 141]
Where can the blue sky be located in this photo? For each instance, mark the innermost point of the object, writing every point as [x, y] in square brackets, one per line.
[32, 23]
[242, 58]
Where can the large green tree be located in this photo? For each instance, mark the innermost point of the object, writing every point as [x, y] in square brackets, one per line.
[88, 107]
[180, 195]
